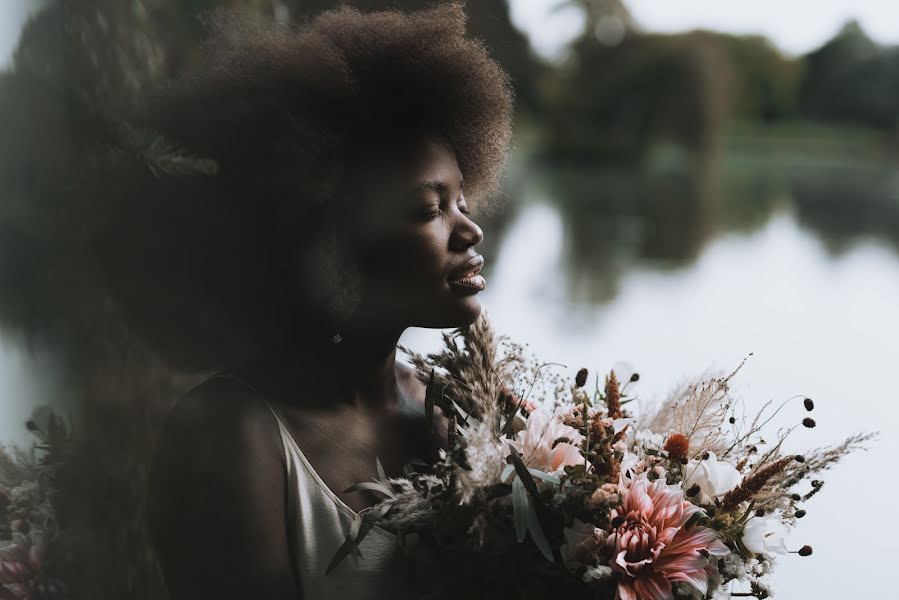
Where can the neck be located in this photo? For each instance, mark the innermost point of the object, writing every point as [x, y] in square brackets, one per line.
[358, 372]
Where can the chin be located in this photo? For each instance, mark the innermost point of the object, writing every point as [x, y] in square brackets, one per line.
[471, 310]
[461, 313]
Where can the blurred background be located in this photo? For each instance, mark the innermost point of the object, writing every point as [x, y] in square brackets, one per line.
[694, 181]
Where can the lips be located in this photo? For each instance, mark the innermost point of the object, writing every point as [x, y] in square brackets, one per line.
[468, 276]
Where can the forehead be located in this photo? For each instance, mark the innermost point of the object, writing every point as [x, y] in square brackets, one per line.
[417, 166]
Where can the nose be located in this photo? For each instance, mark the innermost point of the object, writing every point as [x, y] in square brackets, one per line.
[466, 233]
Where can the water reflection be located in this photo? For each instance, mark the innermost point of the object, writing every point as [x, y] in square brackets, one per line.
[615, 221]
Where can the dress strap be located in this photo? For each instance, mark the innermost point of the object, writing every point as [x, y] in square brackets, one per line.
[229, 374]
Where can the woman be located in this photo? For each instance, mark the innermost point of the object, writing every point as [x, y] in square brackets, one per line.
[346, 156]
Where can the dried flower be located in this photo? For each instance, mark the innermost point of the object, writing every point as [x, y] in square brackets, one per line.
[613, 396]
[580, 380]
[753, 484]
[677, 446]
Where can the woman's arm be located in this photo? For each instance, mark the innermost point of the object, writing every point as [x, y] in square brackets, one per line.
[217, 498]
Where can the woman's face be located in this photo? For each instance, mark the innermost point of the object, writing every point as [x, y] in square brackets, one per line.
[415, 241]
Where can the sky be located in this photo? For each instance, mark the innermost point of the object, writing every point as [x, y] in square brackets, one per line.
[795, 26]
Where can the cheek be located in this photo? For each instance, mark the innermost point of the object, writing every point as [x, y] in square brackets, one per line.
[416, 259]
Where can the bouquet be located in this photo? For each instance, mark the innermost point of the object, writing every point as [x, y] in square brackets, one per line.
[548, 487]
[31, 552]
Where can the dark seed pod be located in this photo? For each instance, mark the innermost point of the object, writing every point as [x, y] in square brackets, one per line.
[808, 422]
[635, 377]
[809, 405]
[800, 513]
[805, 551]
[580, 380]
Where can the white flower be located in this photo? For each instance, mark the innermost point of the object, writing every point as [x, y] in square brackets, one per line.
[539, 442]
[766, 535]
[597, 573]
[714, 478]
[628, 465]
[648, 439]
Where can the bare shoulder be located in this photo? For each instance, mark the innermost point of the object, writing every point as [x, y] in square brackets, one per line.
[219, 406]
[216, 496]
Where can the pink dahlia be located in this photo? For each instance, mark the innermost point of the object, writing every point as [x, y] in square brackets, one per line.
[653, 548]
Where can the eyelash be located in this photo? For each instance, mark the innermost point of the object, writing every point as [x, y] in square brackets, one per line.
[434, 215]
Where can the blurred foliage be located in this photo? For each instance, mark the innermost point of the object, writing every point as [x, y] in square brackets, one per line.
[852, 79]
[616, 96]
[611, 103]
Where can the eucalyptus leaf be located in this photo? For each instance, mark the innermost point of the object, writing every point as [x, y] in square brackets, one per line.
[537, 533]
[345, 549]
[543, 475]
[525, 476]
[375, 486]
[519, 508]
[351, 544]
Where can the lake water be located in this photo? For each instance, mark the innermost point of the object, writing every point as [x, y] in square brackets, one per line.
[674, 275]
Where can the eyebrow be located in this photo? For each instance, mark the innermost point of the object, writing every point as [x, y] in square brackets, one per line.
[436, 186]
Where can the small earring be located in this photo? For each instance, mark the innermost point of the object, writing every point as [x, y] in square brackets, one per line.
[336, 339]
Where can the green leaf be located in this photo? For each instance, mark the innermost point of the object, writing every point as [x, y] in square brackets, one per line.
[459, 410]
[507, 428]
[358, 530]
[537, 533]
[525, 475]
[375, 486]
[544, 476]
[520, 508]
[345, 549]
[430, 397]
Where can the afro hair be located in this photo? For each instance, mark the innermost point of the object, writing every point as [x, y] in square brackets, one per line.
[255, 141]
